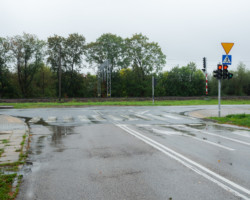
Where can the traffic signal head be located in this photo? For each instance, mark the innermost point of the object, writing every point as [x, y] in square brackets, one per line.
[215, 73]
[230, 75]
[225, 71]
[204, 63]
[219, 71]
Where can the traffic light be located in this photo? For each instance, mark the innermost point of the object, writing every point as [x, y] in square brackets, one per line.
[204, 65]
[215, 73]
[219, 69]
[225, 71]
[230, 75]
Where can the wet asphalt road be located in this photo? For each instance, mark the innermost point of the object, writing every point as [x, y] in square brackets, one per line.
[133, 153]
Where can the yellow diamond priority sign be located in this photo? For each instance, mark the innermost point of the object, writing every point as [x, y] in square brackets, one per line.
[227, 47]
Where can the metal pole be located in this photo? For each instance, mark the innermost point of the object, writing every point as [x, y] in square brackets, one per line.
[99, 82]
[60, 75]
[219, 96]
[153, 95]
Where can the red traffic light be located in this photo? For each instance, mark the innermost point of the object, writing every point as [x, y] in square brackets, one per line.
[220, 67]
[225, 66]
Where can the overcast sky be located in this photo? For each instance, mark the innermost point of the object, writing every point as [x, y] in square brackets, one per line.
[186, 30]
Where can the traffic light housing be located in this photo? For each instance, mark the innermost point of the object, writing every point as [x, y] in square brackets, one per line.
[215, 73]
[204, 65]
[219, 69]
[229, 76]
[222, 72]
[225, 71]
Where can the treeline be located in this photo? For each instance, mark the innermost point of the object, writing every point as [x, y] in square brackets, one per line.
[30, 68]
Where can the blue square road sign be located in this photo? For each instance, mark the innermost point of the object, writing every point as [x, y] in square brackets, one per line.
[227, 59]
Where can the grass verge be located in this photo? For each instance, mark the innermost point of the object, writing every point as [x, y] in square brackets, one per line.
[6, 181]
[126, 103]
[239, 119]
[10, 182]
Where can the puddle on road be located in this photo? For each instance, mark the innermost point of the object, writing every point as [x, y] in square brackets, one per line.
[59, 132]
[43, 136]
[201, 126]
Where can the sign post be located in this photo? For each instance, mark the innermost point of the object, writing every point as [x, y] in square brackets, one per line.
[226, 60]
[219, 96]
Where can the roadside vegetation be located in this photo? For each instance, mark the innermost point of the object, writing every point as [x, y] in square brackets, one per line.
[29, 68]
[126, 103]
[238, 119]
[9, 180]
[6, 182]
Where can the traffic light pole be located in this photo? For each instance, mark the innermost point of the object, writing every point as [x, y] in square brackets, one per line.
[219, 96]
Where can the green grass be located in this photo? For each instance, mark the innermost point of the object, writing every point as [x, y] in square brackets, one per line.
[126, 103]
[6, 186]
[239, 119]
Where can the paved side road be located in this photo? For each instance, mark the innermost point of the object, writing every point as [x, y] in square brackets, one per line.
[225, 110]
[12, 130]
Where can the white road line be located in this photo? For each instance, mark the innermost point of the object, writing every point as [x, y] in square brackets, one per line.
[220, 136]
[114, 118]
[143, 112]
[143, 125]
[98, 112]
[209, 142]
[191, 164]
[51, 119]
[172, 117]
[68, 119]
[142, 117]
[166, 132]
[98, 118]
[156, 117]
[129, 118]
[195, 138]
[83, 118]
[173, 125]
[241, 134]
[35, 120]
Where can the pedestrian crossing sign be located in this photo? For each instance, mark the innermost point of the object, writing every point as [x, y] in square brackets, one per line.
[227, 59]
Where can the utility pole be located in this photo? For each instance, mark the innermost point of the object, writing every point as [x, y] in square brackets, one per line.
[60, 75]
[108, 79]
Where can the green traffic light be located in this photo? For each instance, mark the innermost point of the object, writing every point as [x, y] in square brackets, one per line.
[230, 75]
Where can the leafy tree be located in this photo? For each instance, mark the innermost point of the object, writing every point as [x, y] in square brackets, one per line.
[185, 81]
[67, 53]
[145, 56]
[90, 86]
[160, 88]
[28, 52]
[56, 51]
[4, 59]
[44, 84]
[108, 47]
[56, 57]
[74, 49]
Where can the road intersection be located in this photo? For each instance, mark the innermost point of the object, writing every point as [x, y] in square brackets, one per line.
[134, 153]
